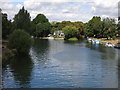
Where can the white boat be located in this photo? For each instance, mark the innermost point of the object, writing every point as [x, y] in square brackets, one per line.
[109, 44]
[117, 46]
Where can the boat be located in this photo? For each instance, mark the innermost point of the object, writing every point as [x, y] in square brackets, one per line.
[117, 46]
[109, 44]
[95, 41]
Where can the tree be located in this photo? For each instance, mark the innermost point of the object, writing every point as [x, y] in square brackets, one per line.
[69, 31]
[6, 26]
[40, 18]
[42, 26]
[118, 27]
[42, 29]
[21, 41]
[94, 27]
[22, 20]
[80, 27]
[109, 28]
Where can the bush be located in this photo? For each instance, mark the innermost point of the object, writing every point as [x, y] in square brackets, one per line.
[70, 31]
[21, 41]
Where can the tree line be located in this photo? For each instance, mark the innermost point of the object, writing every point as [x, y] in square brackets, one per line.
[41, 27]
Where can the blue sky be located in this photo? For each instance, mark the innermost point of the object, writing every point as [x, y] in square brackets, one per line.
[59, 10]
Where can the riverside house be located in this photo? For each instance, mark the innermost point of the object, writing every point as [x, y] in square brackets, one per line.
[59, 33]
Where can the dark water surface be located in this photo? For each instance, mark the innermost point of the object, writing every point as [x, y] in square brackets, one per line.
[63, 64]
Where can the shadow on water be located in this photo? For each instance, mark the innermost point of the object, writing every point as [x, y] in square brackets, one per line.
[40, 45]
[39, 51]
[21, 68]
[63, 64]
[74, 42]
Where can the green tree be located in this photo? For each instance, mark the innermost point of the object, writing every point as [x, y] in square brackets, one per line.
[109, 28]
[6, 26]
[56, 26]
[40, 18]
[42, 26]
[94, 27]
[69, 31]
[80, 26]
[22, 20]
[66, 23]
[21, 41]
[43, 29]
[118, 27]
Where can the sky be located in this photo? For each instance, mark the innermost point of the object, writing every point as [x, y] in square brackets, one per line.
[60, 10]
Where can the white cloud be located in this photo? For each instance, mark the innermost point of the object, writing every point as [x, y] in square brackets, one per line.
[105, 8]
[74, 10]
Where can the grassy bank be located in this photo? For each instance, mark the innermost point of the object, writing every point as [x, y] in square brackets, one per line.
[73, 39]
[59, 38]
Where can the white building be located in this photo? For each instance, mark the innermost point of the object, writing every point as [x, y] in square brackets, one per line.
[59, 33]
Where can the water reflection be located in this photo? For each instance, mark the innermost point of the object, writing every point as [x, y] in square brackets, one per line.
[21, 66]
[105, 52]
[39, 51]
[55, 63]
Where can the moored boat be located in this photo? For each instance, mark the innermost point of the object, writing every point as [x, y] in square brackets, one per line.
[117, 46]
[109, 44]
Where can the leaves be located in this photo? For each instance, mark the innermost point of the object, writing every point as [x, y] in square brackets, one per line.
[70, 31]
[6, 26]
[22, 20]
[20, 40]
[42, 26]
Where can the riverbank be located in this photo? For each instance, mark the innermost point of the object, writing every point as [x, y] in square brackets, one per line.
[56, 38]
[7, 53]
[104, 40]
[73, 39]
[107, 42]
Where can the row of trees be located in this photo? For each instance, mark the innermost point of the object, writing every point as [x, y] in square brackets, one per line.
[19, 31]
[70, 29]
[106, 28]
[38, 27]
[41, 27]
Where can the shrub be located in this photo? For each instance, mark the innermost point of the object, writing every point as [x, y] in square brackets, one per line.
[21, 41]
[69, 31]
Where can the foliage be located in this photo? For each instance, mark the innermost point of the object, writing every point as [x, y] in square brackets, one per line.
[6, 26]
[100, 29]
[40, 18]
[70, 31]
[73, 39]
[93, 27]
[21, 41]
[79, 25]
[42, 27]
[22, 20]
[109, 28]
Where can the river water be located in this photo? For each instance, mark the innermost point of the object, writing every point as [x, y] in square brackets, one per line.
[63, 64]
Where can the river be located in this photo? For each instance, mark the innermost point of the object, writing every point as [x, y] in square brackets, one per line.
[63, 64]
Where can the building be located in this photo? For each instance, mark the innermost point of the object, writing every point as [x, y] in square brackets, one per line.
[59, 33]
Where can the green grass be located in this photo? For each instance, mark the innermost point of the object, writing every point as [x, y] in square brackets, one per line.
[59, 38]
[73, 39]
